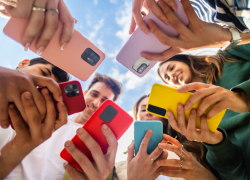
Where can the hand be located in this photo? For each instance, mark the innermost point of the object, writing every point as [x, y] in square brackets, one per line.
[142, 7]
[14, 83]
[211, 94]
[103, 163]
[190, 169]
[196, 35]
[47, 22]
[189, 130]
[143, 166]
[28, 138]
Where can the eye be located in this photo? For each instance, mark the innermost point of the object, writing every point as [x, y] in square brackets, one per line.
[143, 110]
[171, 69]
[94, 95]
[44, 74]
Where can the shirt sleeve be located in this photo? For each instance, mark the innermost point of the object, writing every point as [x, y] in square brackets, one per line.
[227, 159]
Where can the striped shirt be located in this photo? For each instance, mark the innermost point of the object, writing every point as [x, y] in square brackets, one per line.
[218, 11]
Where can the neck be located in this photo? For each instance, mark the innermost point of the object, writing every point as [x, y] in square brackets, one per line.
[79, 118]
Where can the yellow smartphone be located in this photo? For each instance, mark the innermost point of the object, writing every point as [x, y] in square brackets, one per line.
[163, 98]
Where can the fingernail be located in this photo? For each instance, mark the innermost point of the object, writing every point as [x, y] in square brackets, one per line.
[46, 91]
[12, 106]
[146, 31]
[60, 98]
[62, 103]
[150, 23]
[143, 55]
[80, 130]
[65, 164]
[104, 126]
[186, 107]
[168, 113]
[179, 88]
[27, 96]
[26, 47]
[40, 50]
[68, 143]
[63, 46]
[179, 107]
[193, 111]
[75, 20]
[161, 4]
[166, 22]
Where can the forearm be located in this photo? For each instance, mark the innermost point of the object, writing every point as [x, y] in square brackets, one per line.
[245, 38]
[5, 169]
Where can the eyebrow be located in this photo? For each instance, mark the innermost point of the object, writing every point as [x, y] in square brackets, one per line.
[48, 71]
[143, 105]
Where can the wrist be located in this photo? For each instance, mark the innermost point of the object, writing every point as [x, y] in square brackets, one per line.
[6, 168]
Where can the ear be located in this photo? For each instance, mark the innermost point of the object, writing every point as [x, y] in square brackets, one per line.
[23, 63]
[84, 93]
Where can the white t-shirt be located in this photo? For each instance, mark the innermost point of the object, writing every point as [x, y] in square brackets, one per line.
[44, 162]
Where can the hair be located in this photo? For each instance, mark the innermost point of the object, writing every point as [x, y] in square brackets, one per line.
[196, 148]
[209, 68]
[114, 85]
[61, 75]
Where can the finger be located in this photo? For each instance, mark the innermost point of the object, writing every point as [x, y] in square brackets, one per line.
[80, 158]
[192, 133]
[174, 172]
[112, 144]
[22, 10]
[172, 4]
[68, 24]
[18, 122]
[36, 23]
[73, 172]
[33, 116]
[93, 147]
[172, 163]
[172, 140]
[192, 86]
[49, 121]
[204, 129]
[62, 115]
[4, 117]
[217, 109]
[153, 6]
[156, 153]
[181, 119]
[174, 20]
[144, 143]
[50, 27]
[131, 151]
[132, 25]
[51, 85]
[172, 121]
[189, 10]
[163, 56]
[137, 16]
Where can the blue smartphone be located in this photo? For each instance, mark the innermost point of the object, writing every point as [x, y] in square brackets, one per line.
[140, 129]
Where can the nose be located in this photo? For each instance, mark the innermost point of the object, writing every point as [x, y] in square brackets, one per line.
[97, 103]
[148, 114]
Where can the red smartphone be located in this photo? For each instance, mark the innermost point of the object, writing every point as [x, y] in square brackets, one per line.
[108, 113]
[72, 97]
[79, 58]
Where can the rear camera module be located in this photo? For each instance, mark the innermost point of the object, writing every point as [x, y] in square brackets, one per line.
[142, 68]
[71, 90]
[90, 56]
[140, 65]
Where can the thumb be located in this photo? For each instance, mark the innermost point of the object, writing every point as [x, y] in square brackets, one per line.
[131, 150]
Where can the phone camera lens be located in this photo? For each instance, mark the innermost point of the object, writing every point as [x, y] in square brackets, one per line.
[73, 93]
[67, 88]
[75, 86]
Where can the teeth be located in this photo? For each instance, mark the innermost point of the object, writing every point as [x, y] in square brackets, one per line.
[91, 109]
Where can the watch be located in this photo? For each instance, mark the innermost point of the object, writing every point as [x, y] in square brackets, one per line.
[235, 40]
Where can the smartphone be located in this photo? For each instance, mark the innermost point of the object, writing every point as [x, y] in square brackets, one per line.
[79, 58]
[108, 113]
[72, 97]
[163, 98]
[140, 129]
[130, 54]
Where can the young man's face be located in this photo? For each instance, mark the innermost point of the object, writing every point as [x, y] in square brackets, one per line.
[37, 69]
[95, 96]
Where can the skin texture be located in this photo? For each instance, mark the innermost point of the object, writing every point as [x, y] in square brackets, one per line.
[29, 137]
[45, 21]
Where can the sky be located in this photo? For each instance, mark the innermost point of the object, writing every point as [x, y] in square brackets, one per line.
[105, 23]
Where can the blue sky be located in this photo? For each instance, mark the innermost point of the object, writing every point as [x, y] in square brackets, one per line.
[105, 23]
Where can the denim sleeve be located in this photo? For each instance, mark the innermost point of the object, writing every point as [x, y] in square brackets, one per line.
[227, 159]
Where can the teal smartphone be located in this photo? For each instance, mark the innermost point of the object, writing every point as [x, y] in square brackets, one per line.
[140, 129]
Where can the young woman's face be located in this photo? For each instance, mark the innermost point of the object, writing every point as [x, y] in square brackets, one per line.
[143, 115]
[176, 73]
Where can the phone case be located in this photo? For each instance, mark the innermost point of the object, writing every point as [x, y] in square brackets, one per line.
[70, 59]
[163, 98]
[139, 42]
[140, 129]
[74, 103]
[108, 113]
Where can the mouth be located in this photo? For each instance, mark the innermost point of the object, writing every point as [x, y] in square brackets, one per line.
[90, 109]
[179, 78]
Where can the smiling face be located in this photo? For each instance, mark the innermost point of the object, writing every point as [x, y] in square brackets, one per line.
[143, 115]
[176, 73]
[95, 96]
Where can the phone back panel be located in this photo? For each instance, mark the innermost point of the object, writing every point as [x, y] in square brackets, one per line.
[163, 98]
[140, 42]
[140, 129]
[76, 103]
[68, 59]
[108, 113]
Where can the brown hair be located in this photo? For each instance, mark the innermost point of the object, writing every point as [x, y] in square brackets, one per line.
[113, 84]
[196, 148]
[209, 68]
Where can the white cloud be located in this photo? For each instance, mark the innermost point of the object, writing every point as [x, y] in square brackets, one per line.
[95, 29]
[95, 2]
[113, 1]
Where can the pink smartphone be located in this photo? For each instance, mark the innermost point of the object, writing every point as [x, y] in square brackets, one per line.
[79, 58]
[130, 54]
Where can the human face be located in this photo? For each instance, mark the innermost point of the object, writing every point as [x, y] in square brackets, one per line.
[176, 73]
[143, 115]
[37, 69]
[95, 96]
